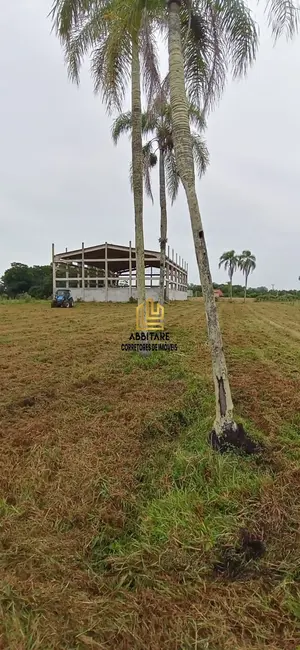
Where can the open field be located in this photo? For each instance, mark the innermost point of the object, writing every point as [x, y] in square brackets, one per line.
[117, 519]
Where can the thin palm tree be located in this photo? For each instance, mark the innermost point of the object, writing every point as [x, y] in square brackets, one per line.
[230, 261]
[157, 122]
[117, 37]
[229, 37]
[247, 264]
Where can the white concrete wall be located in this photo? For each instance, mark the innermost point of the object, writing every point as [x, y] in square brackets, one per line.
[121, 294]
[174, 294]
[116, 294]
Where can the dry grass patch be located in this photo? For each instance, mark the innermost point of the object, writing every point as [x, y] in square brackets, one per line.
[114, 511]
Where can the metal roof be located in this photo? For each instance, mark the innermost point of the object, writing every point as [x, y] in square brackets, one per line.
[118, 257]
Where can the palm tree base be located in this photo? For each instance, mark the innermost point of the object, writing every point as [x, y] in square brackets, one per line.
[235, 439]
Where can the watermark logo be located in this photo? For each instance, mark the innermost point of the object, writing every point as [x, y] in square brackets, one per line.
[150, 318]
[149, 335]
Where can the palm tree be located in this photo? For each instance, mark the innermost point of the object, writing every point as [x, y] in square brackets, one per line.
[229, 260]
[247, 264]
[202, 40]
[157, 120]
[117, 36]
[228, 35]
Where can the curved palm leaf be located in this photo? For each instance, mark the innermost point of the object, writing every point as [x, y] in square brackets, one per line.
[240, 34]
[172, 176]
[148, 164]
[123, 124]
[151, 77]
[110, 68]
[247, 263]
[200, 153]
[104, 29]
[230, 261]
[197, 118]
[283, 16]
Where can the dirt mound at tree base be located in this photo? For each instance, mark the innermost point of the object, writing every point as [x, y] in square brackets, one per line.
[235, 439]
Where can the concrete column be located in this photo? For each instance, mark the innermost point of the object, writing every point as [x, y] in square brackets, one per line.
[106, 273]
[167, 280]
[130, 271]
[82, 272]
[67, 277]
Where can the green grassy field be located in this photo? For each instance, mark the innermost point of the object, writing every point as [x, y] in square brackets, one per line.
[119, 525]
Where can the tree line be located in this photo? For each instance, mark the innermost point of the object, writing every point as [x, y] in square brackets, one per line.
[206, 42]
[36, 281]
[259, 293]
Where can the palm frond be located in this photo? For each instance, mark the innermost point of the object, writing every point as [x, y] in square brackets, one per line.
[121, 125]
[165, 87]
[160, 101]
[172, 176]
[149, 123]
[67, 14]
[147, 166]
[147, 178]
[200, 153]
[79, 26]
[230, 261]
[195, 36]
[283, 17]
[110, 67]
[217, 64]
[196, 117]
[247, 262]
[240, 34]
[150, 60]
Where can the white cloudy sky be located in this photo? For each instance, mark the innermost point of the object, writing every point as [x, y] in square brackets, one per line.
[62, 180]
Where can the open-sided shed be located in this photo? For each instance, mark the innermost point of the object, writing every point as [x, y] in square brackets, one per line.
[107, 272]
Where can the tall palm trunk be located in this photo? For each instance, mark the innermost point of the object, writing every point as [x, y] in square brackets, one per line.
[245, 288]
[163, 225]
[231, 288]
[137, 170]
[185, 162]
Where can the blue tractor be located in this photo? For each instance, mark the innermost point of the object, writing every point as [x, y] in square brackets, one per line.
[62, 298]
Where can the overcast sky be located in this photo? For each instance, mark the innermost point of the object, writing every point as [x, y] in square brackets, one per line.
[63, 181]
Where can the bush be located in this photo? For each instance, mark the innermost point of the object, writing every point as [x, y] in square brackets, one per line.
[285, 297]
[265, 297]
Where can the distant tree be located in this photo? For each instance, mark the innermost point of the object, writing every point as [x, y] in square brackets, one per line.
[247, 264]
[34, 280]
[230, 261]
[17, 279]
[42, 282]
